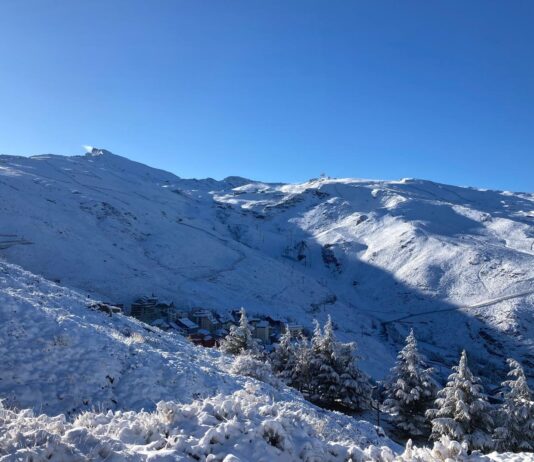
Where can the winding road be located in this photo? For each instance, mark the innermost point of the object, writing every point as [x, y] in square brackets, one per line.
[492, 301]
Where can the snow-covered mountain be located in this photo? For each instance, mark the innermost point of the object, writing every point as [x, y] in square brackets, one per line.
[456, 264]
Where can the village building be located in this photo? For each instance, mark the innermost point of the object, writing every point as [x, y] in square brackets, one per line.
[202, 338]
[144, 309]
[161, 324]
[203, 327]
[262, 331]
[275, 323]
[165, 309]
[150, 309]
[227, 320]
[176, 313]
[195, 338]
[188, 326]
[220, 333]
[205, 319]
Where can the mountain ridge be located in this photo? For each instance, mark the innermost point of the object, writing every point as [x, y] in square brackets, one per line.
[367, 252]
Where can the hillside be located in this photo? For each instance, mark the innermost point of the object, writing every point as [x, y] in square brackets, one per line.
[456, 264]
[59, 356]
[77, 384]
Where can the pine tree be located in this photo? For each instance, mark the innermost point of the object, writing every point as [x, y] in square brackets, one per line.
[462, 410]
[325, 379]
[410, 391]
[354, 388]
[283, 358]
[240, 338]
[300, 375]
[334, 376]
[516, 416]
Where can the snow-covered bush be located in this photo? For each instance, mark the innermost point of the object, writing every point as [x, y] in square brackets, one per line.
[410, 391]
[245, 426]
[444, 450]
[250, 366]
[462, 410]
[449, 450]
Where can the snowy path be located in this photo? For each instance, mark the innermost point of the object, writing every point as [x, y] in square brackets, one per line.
[490, 302]
[14, 240]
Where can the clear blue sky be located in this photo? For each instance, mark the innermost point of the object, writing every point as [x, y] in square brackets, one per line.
[277, 89]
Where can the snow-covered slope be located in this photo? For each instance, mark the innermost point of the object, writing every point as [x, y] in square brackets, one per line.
[456, 264]
[126, 392]
[60, 356]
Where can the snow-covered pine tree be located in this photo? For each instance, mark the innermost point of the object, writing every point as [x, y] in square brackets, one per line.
[283, 357]
[301, 372]
[334, 376]
[324, 376]
[240, 338]
[354, 388]
[411, 391]
[462, 410]
[516, 416]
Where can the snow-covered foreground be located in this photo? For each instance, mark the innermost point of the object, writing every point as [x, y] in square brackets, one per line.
[248, 424]
[245, 426]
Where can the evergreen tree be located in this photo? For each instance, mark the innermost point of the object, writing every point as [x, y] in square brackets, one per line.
[462, 410]
[300, 375]
[325, 379]
[240, 338]
[283, 358]
[354, 388]
[411, 390]
[334, 376]
[516, 416]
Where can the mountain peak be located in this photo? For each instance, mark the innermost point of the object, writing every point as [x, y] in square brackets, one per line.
[91, 151]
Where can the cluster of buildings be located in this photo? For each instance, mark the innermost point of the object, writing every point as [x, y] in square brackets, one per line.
[205, 327]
